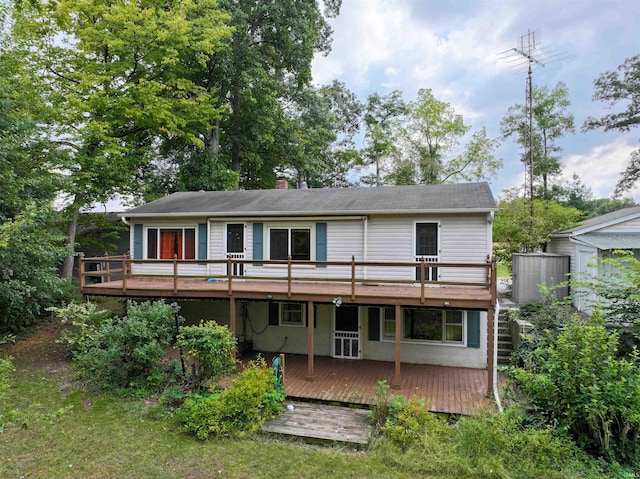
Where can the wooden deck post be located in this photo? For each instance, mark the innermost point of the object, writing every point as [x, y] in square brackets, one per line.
[284, 371]
[289, 276]
[422, 280]
[107, 267]
[310, 351]
[396, 376]
[353, 278]
[125, 271]
[232, 319]
[491, 326]
[81, 271]
[229, 274]
[175, 274]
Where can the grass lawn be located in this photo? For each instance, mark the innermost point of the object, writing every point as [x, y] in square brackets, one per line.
[50, 427]
[503, 271]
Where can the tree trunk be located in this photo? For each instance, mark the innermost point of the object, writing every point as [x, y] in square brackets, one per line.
[214, 139]
[235, 112]
[72, 228]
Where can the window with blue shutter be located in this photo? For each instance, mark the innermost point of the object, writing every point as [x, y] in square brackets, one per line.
[321, 243]
[137, 241]
[202, 241]
[473, 329]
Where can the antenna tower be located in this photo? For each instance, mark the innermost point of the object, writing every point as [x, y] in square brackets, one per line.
[529, 53]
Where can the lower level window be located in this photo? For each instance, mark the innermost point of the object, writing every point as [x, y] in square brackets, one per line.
[426, 324]
[292, 314]
[167, 243]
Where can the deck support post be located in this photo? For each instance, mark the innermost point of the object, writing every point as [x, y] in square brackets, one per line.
[232, 320]
[175, 274]
[396, 376]
[310, 352]
[81, 271]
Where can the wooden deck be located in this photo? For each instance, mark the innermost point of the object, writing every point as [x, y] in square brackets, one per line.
[444, 389]
[460, 297]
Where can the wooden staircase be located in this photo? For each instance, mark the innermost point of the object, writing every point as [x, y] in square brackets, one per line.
[505, 343]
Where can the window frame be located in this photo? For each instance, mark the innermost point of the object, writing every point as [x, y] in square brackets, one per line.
[442, 341]
[158, 238]
[290, 229]
[303, 315]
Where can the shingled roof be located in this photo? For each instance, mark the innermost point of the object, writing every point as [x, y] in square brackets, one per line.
[464, 197]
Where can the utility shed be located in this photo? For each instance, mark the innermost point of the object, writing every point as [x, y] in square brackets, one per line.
[530, 270]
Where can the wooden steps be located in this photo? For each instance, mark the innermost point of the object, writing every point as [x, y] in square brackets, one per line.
[320, 422]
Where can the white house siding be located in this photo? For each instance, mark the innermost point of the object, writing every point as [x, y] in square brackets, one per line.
[390, 239]
[463, 238]
[630, 226]
[216, 247]
[428, 353]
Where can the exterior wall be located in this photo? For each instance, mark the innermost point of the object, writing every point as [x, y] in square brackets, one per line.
[630, 226]
[565, 247]
[252, 324]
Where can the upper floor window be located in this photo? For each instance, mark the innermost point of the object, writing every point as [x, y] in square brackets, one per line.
[166, 243]
[294, 242]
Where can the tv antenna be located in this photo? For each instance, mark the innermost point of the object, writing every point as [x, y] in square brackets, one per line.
[529, 54]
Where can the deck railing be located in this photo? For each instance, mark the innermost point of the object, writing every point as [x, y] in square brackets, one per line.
[120, 268]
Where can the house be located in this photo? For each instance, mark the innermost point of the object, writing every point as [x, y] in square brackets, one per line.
[399, 274]
[596, 239]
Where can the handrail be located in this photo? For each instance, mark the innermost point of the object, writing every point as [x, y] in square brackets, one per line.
[125, 271]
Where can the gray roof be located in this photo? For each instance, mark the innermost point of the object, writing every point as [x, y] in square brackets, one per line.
[611, 241]
[612, 217]
[464, 197]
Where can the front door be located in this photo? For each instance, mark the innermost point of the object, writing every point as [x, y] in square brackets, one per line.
[235, 246]
[346, 332]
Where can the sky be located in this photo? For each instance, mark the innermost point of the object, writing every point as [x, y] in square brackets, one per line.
[453, 48]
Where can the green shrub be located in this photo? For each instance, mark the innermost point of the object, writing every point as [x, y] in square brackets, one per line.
[407, 420]
[125, 352]
[83, 322]
[211, 346]
[379, 411]
[579, 383]
[237, 411]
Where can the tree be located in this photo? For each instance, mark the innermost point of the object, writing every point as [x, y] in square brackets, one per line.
[267, 60]
[113, 74]
[551, 122]
[431, 133]
[613, 88]
[381, 117]
[514, 231]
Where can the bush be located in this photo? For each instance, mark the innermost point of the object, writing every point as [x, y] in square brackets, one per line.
[407, 420]
[126, 352]
[83, 322]
[211, 347]
[237, 411]
[578, 382]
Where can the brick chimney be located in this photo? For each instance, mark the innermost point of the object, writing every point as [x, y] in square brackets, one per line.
[282, 184]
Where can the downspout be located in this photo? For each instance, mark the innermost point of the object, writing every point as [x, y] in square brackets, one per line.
[124, 220]
[365, 242]
[496, 395]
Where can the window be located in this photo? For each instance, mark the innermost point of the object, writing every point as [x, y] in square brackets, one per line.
[425, 324]
[427, 249]
[165, 243]
[294, 242]
[292, 314]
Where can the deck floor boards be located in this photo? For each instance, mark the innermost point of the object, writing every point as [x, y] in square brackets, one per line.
[444, 389]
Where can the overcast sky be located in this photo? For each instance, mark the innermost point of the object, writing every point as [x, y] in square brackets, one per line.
[453, 48]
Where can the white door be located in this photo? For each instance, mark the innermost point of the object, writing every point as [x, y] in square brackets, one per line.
[235, 245]
[346, 332]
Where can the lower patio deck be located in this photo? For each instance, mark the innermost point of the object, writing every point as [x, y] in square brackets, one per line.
[444, 389]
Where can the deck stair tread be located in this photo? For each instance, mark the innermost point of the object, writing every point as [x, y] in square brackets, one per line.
[321, 422]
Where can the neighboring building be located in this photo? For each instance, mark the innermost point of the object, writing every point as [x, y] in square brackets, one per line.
[595, 239]
[349, 262]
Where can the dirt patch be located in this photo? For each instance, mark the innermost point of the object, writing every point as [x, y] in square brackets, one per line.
[41, 350]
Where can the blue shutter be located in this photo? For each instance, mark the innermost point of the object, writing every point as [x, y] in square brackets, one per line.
[473, 329]
[137, 241]
[202, 241]
[258, 241]
[274, 314]
[321, 243]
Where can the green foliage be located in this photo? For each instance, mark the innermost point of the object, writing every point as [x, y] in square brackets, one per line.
[6, 372]
[615, 88]
[577, 381]
[514, 231]
[83, 321]
[379, 411]
[407, 420]
[238, 410]
[30, 248]
[126, 352]
[211, 346]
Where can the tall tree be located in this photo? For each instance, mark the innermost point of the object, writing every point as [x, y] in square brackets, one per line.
[115, 77]
[613, 88]
[551, 122]
[430, 135]
[381, 117]
[270, 51]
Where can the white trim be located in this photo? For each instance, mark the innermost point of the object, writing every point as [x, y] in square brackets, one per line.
[333, 334]
[145, 239]
[303, 309]
[414, 242]
[312, 240]
[338, 215]
[580, 231]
